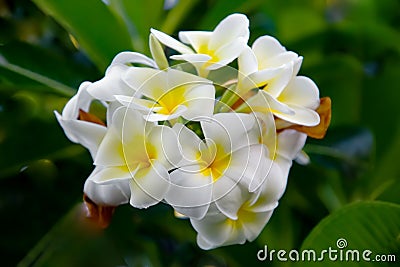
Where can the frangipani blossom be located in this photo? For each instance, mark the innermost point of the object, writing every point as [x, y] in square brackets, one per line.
[138, 152]
[218, 150]
[230, 154]
[170, 94]
[211, 50]
[112, 83]
[86, 133]
[90, 135]
[268, 66]
[252, 211]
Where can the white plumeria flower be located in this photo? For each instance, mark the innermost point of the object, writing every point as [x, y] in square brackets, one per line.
[90, 135]
[170, 94]
[138, 152]
[211, 50]
[268, 66]
[230, 154]
[252, 211]
[227, 171]
[112, 83]
[85, 133]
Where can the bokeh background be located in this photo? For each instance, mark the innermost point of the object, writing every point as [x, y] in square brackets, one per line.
[351, 49]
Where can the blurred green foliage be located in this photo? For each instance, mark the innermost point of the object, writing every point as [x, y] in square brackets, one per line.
[351, 49]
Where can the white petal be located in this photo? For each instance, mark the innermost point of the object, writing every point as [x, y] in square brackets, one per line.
[301, 91]
[192, 58]
[297, 65]
[146, 81]
[133, 57]
[266, 128]
[124, 142]
[189, 144]
[108, 194]
[111, 175]
[273, 105]
[177, 78]
[227, 53]
[165, 141]
[149, 186]
[200, 99]
[228, 30]
[302, 158]
[301, 116]
[138, 103]
[247, 62]
[112, 84]
[128, 122]
[277, 84]
[190, 193]
[179, 111]
[85, 133]
[111, 108]
[231, 130]
[204, 244]
[81, 100]
[196, 39]
[290, 143]
[253, 227]
[250, 166]
[171, 42]
[271, 190]
[267, 47]
[228, 197]
[109, 152]
[259, 78]
[279, 60]
[213, 229]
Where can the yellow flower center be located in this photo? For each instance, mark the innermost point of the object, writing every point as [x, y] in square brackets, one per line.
[170, 101]
[203, 49]
[214, 161]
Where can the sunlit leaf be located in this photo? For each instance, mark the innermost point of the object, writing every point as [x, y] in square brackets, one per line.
[373, 226]
[97, 31]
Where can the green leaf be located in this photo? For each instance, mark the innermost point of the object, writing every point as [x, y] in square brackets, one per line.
[57, 74]
[373, 226]
[73, 242]
[138, 16]
[95, 28]
[385, 182]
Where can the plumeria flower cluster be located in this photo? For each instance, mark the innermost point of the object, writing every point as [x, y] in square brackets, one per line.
[214, 142]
